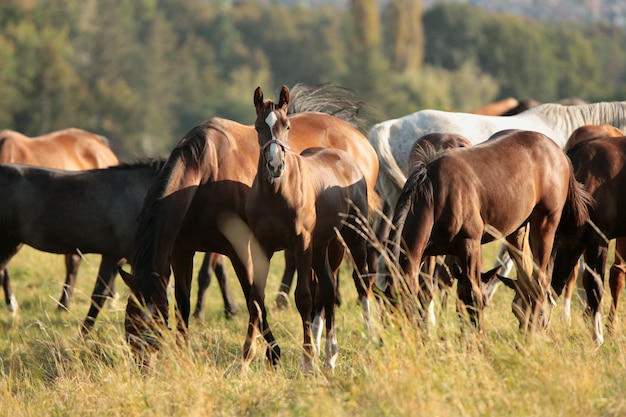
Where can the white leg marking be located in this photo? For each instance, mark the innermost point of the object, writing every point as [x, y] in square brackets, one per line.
[365, 311]
[13, 306]
[567, 310]
[432, 320]
[598, 337]
[316, 329]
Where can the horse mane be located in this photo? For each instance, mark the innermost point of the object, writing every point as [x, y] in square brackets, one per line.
[334, 100]
[581, 114]
[187, 153]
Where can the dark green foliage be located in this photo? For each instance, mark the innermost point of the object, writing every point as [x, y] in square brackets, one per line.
[143, 72]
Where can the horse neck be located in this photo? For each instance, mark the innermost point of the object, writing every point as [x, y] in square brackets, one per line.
[166, 203]
[289, 181]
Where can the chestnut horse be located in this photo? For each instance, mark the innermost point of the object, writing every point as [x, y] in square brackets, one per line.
[459, 199]
[69, 149]
[197, 202]
[436, 269]
[300, 202]
[599, 164]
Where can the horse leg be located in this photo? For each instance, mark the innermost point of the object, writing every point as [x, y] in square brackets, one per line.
[469, 290]
[363, 281]
[326, 294]
[593, 281]
[72, 262]
[102, 289]
[304, 304]
[570, 286]
[182, 267]
[7, 251]
[542, 235]
[425, 293]
[254, 290]
[204, 280]
[504, 259]
[217, 264]
[617, 276]
[282, 298]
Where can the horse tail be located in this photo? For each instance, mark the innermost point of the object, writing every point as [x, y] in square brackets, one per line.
[418, 185]
[166, 202]
[576, 209]
[390, 179]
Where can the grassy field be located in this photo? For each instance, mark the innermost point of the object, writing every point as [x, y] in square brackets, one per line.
[47, 369]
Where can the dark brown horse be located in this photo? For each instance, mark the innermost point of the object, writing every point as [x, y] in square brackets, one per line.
[457, 200]
[58, 211]
[300, 202]
[197, 202]
[618, 269]
[69, 149]
[599, 164]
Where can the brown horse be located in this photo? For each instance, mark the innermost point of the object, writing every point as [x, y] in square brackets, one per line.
[618, 269]
[599, 164]
[300, 202]
[197, 202]
[69, 149]
[436, 269]
[457, 200]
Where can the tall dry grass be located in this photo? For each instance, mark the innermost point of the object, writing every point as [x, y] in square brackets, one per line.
[47, 369]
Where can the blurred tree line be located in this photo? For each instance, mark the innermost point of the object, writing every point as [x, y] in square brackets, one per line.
[142, 72]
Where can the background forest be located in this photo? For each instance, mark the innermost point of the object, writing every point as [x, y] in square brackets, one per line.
[142, 72]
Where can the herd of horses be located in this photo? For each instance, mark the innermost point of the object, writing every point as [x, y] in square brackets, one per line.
[546, 182]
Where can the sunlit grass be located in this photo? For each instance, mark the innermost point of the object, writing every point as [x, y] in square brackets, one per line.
[46, 368]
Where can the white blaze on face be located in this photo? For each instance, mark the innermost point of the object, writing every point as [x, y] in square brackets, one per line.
[272, 158]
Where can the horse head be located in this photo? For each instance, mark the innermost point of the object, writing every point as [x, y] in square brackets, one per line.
[272, 126]
[532, 305]
[146, 318]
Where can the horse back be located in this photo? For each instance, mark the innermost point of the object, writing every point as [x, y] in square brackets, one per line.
[588, 132]
[312, 129]
[500, 182]
[69, 149]
[599, 164]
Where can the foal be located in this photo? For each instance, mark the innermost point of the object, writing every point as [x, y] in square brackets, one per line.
[302, 203]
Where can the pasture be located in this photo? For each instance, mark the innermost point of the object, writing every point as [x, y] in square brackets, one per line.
[47, 369]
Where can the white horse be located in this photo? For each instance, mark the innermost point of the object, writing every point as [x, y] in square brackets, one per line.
[393, 139]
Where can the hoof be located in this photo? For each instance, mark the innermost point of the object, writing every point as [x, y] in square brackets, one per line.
[273, 355]
[282, 300]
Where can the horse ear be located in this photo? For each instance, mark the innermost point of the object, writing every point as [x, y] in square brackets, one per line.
[490, 275]
[258, 99]
[508, 282]
[284, 97]
[128, 278]
[456, 270]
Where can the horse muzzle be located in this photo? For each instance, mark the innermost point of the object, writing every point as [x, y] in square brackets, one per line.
[274, 170]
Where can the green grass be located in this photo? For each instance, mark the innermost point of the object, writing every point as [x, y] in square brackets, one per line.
[47, 369]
